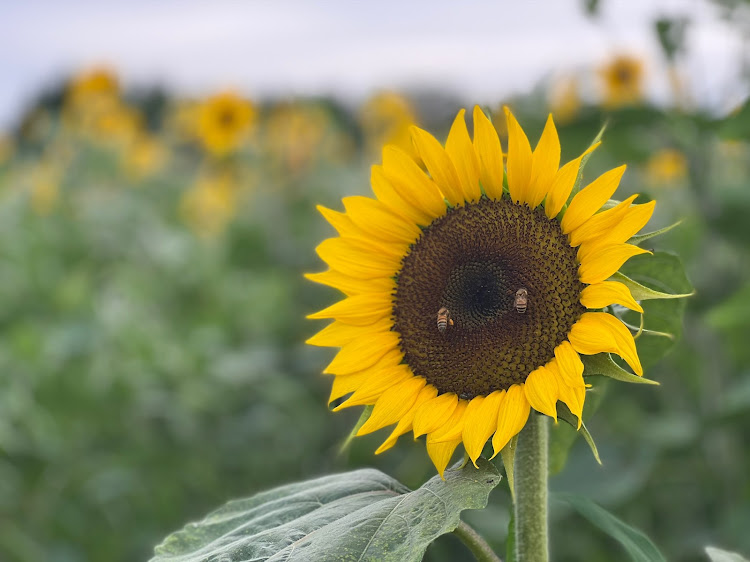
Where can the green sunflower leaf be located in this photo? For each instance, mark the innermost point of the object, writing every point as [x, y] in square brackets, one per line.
[719, 555]
[659, 281]
[638, 546]
[359, 515]
[602, 364]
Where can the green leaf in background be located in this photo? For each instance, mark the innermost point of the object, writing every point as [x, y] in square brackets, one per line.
[638, 546]
[360, 515]
[665, 273]
[719, 555]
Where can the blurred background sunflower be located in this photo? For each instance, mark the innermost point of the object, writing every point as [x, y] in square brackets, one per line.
[159, 171]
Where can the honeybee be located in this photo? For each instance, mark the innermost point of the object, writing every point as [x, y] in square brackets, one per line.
[521, 300]
[444, 319]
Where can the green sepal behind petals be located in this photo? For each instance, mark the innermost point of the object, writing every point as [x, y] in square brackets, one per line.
[638, 238]
[564, 413]
[602, 364]
[643, 293]
[508, 454]
[366, 413]
[579, 178]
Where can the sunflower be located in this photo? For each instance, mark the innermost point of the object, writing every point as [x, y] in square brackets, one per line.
[460, 241]
[224, 121]
[623, 81]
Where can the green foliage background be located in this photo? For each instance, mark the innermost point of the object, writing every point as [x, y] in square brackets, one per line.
[148, 374]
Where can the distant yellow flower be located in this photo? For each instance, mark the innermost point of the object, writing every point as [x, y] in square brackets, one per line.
[622, 79]
[565, 99]
[116, 124]
[45, 188]
[93, 108]
[94, 83]
[430, 330]
[210, 204]
[224, 122]
[144, 156]
[298, 133]
[182, 120]
[666, 167]
[386, 118]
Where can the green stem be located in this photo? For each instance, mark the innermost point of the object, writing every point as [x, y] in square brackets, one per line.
[530, 509]
[474, 542]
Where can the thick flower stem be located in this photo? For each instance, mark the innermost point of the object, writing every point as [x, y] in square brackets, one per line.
[475, 543]
[531, 536]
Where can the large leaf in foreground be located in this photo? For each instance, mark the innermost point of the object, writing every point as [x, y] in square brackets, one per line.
[638, 546]
[360, 515]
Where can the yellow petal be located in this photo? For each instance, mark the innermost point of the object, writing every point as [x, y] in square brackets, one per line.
[405, 423]
[541, 391]
[544, 165]
[431, 415]
[387, 194]
[631, 222]
[490, 155]
[343, 224]
[378, 220]
[381, 378]
[359, 310]
[413, 185]
[461, 152]
[338, 334]
[439, 165]
[635, 219]
[569, 364]
[606, 293]
[362, 353]
[480, 423]
[602, 263]
[562, 185]
[573, 399]
[451, 429]
[393, 405]
[352, 285]
[359, 259]
[590, 199]
[349, 383]
[601, 223]
[598, 332]
[441, 453]
[519, 161]
[512, 415]
[449, 432]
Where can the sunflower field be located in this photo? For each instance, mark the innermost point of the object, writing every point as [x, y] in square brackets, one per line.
[153, 312]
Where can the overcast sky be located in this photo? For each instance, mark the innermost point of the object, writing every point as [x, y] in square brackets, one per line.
[480, 50]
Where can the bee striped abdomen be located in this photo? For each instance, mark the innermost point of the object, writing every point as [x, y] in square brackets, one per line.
[444, 319]
[521, 300]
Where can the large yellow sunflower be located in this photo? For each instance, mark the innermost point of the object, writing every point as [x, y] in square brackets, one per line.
[467, 235]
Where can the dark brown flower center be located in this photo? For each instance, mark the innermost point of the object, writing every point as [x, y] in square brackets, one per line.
[473, 261]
